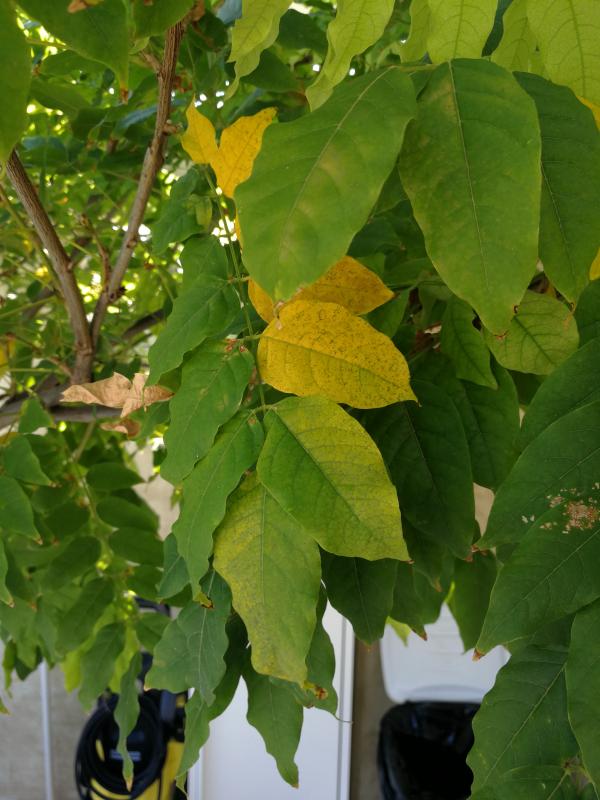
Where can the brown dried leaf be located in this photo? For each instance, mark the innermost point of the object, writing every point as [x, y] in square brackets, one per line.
[127, 426]
[117, 392]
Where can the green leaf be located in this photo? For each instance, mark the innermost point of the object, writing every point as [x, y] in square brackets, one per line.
[277, 716]
[98, 663]
[523, 719]
[473, 581]
[192, 648]
[492, 428]
[274, 571]
[406, 606]
[175, 575]
[356, 26]
[58, 95]
[518, 42]
[471, 168]
[127, 711]
[197, 719]
[213, 382]
[459, 29]
[320, 663]
[583, 687]
[15, 77]
[205, 308]
[490, 417]
[122, 513]
[149, 628]
[562, 463]
[34, 416]
[551, 573]
[426, 451]
[541, 335]
[178, 221]
[330, 164]
[531, 783]
[587, 313]
[363, 591]
[201, 257]
[326, 472]
[567, 36]
[415, 47]
[5, 596]
[573, 384]
[78, 621]
[253, 32]
[137, 545]
[206, 490]
[111, 475]
[153, 19]
[74, 560]
[98, 32]
[21, 462]
[464, 345]
[16, 515]
[570, 211]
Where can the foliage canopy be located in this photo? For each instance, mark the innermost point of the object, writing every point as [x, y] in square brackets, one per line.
[334, 266]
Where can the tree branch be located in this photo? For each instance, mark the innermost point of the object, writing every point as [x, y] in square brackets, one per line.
[153, 161]
[60, 263]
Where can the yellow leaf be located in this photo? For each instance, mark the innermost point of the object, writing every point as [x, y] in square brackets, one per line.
[262, 302]
[117, 392]
[348, 283]
[239, 147]
[316, 348]
[233, 159]
[200, 139]
[594, 108]
[595, 268]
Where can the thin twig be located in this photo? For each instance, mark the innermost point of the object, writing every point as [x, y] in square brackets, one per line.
[61, 264]
[153, 161]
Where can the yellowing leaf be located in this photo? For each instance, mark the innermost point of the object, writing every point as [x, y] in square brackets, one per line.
[200, 139]
[239, 147]
[347, 283]
[262, 302]
[233, 159]
[117, 392]
[593, 107]
[595, 268]
[317, 348]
